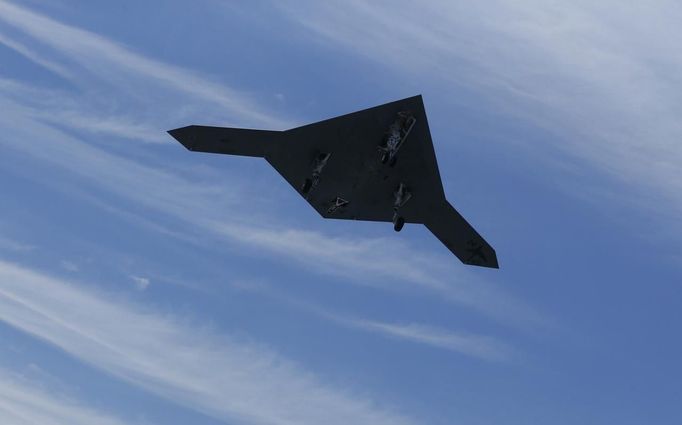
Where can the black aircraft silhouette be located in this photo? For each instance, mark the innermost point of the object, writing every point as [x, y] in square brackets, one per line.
[377, 164]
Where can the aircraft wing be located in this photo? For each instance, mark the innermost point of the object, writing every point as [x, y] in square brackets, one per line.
[338, 168]
[231, 141]
[459, 237]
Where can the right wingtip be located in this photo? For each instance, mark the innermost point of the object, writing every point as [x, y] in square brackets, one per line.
[484, 256]
[494, 264]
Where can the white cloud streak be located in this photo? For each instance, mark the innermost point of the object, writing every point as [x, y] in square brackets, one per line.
[12, 245]
[107, 59]
[69, 266]
[76, 111]
[478, 346]
[211, 373]
[35, 57]
[23, 402]
[602, 77]
[362, 260]
[141, 283]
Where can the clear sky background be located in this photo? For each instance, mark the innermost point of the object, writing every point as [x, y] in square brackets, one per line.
[144, 284]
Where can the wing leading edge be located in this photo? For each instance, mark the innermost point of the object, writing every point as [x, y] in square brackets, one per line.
[225, 140]
[342, 169]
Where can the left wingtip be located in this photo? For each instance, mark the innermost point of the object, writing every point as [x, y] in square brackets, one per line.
[183, 135]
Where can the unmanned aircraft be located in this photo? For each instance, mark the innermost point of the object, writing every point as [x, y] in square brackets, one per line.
[377, 164]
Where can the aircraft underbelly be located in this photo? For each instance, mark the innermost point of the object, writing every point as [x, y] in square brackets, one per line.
[377, 164]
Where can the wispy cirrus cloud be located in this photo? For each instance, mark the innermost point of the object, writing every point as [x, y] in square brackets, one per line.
[141, 283]
[24, 402]
[106, 59]
[39, 115]
[115, 90]
[469, 344]
[69, 266]
[361, 260]
[35, 57]
[479, 346]
[77, 111]
[603, 78]
[368, 261]
[212, 373]
[12, 245]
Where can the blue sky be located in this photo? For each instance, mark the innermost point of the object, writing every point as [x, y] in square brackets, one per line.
[144, 284]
